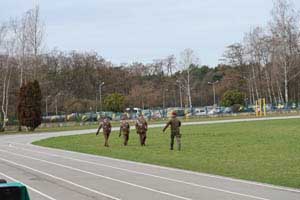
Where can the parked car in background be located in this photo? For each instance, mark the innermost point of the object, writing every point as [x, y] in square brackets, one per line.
[215, 111]
[227, 110]
[200, 111]
[147, 114]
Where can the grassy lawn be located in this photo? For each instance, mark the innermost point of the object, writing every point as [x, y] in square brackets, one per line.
[264, 151]
[54, 127]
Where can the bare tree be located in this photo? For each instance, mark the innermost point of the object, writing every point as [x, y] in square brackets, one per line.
[285, 35]
[20, 29]
[259, 47]
[157, 67]
[187, 59]
[235, 54]
[170, 63]
[34, 34]
[2, 40]
[253, 55]
[2, 33]
[8, 44]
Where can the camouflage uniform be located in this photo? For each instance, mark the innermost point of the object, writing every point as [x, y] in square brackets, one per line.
[106, 125]
[175, 131]
[125, 129]
[141, 127]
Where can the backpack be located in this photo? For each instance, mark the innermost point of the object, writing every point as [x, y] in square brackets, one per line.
[141, 125]
[125, 126]
[106, 126]
[175, 124]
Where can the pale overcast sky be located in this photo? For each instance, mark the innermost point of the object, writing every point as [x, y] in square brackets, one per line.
[143, 30]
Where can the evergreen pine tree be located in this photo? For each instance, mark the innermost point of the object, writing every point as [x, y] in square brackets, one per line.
[29, 106]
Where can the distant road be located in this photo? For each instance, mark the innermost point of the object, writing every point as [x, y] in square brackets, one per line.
[53, 174]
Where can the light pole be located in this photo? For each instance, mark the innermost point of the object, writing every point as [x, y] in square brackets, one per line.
[58, 94]
[180, 95]
[96, 100]
[100, 95]
[214, 89]
[164, 100]
[47, 104]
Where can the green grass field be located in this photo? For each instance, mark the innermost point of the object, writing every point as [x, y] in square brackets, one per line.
[55, 127]
[264, 151]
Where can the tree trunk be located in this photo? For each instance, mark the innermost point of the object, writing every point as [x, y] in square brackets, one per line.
[254, 81]
[189, 90]
[280, 97]
[268, 86]
[286, 93]
[5, 97]
[273, 93]
[252, 91]
[249, 90]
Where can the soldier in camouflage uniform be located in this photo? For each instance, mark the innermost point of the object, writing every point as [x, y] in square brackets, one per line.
[125, 130]
[141, 127]
[106, 125]
[175, 130]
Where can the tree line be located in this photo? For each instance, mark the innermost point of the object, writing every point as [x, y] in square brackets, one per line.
[264, 65]
[268, 58]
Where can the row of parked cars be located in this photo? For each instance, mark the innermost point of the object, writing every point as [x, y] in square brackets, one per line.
[210, 110]
[132, 113]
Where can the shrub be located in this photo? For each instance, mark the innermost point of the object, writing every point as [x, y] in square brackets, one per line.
[29, 105]
[233, 97]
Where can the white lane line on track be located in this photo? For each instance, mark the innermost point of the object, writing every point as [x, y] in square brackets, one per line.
[101, 176]
[27, 186]
[168, 168]
[141, 173]
[162, 167]
[174, 169]
[61, 179]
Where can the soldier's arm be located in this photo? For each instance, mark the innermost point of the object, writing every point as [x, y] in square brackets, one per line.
[109, 126]
[167, 125]
[99, 129]
[146, 125]
[120, 131]
[136, 127]
[179, 123]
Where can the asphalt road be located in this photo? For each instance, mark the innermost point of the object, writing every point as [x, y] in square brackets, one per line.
[52, 174]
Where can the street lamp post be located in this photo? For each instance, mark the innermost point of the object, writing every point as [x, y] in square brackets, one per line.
[96, 100]
[56, 110]
[214, 89]
[55, 105]
[47, 104]
[164, 100]
[100, 95]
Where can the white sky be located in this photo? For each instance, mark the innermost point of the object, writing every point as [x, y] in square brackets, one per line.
[143, 30]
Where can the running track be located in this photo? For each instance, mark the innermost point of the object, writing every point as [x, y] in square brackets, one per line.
[52, 174]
